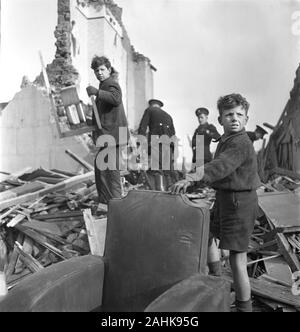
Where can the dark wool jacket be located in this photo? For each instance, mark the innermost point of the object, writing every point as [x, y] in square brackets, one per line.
[158, 121]
[209, 132]
[111, 110]
[234, 166]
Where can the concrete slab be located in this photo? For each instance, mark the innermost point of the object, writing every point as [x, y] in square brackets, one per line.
[29, 135]
[283, 209]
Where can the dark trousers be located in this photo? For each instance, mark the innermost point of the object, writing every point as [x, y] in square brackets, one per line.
[169, 176]
[108, 182]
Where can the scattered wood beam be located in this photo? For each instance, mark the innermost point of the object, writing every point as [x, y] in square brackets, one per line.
[42, 240]
[81, 161]
[32, 264]
[286, 251]
[272, 291]
[282, 171]
[66, 184]
[15, 174]
[263, 259]
[96, 230]
[13, 258]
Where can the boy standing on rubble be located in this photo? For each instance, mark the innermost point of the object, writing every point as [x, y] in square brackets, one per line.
[112, 117]
[233, 174]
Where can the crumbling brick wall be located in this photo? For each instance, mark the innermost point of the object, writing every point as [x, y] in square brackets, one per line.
[61, 71]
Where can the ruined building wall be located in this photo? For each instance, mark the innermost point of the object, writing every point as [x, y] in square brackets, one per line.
[283, 149]
[29, 137]
[28, 133]
[99, 30]
[61, 72]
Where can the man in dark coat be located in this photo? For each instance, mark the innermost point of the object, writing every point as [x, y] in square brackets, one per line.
[257, 134]
[209, 132]
[158, 123]
[112, 117]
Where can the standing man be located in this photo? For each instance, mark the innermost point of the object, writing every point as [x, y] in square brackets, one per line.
[112, 117]
[257, 134]
[158, 122]
[208, 130]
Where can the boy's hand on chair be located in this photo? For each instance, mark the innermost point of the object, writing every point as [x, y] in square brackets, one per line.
[181, 186]
[91, 91]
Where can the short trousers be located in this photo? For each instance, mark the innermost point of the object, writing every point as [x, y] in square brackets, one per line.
[233, 218]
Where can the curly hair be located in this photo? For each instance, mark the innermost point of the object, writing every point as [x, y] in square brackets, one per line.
[231, 101]
[98, 61]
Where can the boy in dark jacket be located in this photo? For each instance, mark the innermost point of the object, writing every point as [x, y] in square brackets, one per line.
[209, 131]
[112, 117]
[233, 174]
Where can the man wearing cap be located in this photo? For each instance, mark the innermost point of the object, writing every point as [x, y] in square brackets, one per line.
[158, 123]
[257, 134]
[209, 132]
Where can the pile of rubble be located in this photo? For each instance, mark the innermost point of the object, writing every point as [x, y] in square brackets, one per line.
[282, 180]
[42, 219]
[47, 216]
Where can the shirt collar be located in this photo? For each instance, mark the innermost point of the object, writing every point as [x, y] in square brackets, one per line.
[224, 137]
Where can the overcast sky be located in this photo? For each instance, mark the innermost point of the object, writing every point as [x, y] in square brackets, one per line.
[202, 50]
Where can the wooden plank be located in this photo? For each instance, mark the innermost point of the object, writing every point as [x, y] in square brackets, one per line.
[279, 307]
[28, 245]
[65, 215]
[64, 185]
[16, 220]
[263, 246]
[54, 238]
[7, 213]
[103, 207]
[288, 230]
[7, 194]
[88, 196]
[274, 280]
[86, 191]
[81, 161]
[279, 269]
[294, 243]
[27, 188]
[96, 230]
[63, 220]
[60, 175]
[95, 110]
[268, 186]
[282, 171]
[15, 175]
[272, 291]
[32, 264]
[14, 258]
[48, 180]
[42, 240]
[282, 209]
[59, 229]
[61, 172]
[263, 259]
[286, 251]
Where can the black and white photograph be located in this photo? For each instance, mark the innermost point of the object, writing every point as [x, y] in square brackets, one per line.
[149, 158]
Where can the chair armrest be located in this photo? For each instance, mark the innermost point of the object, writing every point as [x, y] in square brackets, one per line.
[74, 285]
[198, 293]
